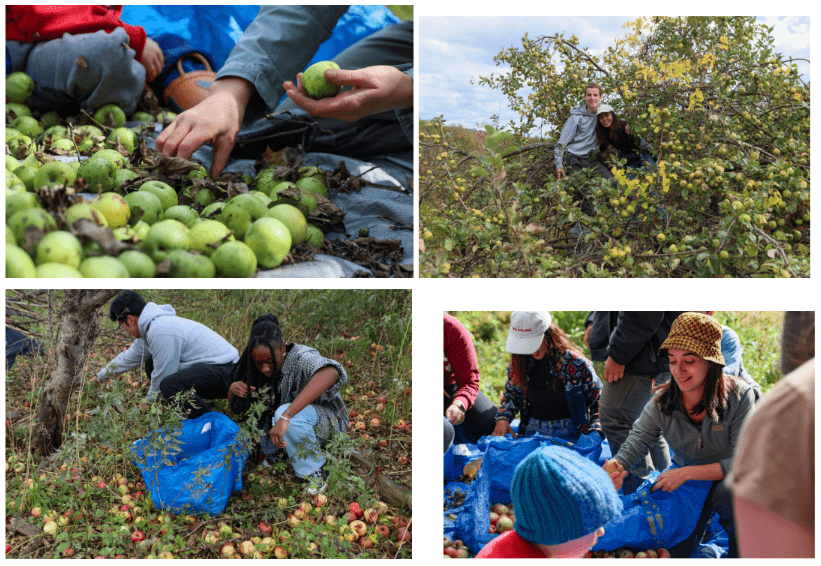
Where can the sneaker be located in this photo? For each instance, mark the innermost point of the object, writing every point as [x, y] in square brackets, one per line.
[317, 482]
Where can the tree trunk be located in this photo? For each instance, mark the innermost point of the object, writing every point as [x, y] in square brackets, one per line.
[78, 331]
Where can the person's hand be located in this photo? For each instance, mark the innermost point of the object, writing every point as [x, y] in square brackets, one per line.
[240, 389]
[153, 60]
[278, 432]
[616, 471]
[216, 119]
[613, 371]
[503, 428]
[587, 336]
[671, 480]
[455, 414]
[376, 89]
[560, 173]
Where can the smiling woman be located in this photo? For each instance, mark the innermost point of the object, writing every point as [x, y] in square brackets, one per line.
[700, 413]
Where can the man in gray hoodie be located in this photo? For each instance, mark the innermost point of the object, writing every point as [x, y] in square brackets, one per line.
[179, 354]
[578, 141]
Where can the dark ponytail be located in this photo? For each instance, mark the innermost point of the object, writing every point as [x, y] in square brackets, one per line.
[265, 331]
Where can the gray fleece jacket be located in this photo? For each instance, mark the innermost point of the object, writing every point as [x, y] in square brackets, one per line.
[173, 343]
[692, 445]
[578, 136]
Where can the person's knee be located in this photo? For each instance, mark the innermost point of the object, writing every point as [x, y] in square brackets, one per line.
[168, 387]
[449, 434]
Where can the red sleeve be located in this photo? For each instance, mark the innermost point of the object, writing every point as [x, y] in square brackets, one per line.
[461, 365]
[31, 24]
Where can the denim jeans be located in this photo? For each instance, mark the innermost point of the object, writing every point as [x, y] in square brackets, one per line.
[621, 404]
[302, 443]
[566, 429]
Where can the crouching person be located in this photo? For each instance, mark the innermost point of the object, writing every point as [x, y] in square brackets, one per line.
[562, 502]
[304, 408]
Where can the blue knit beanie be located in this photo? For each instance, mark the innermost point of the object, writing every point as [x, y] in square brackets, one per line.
[559, 496]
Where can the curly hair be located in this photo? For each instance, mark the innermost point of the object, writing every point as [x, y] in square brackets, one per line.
[265, 331]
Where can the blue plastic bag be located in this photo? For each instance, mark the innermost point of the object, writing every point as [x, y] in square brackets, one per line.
[501, 455]
[198, 476]
[657, 519]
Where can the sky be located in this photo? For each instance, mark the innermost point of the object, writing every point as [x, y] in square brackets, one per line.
[455, 51]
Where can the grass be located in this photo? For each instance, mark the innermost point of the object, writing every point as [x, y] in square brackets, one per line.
[368, 331]
[759, 331]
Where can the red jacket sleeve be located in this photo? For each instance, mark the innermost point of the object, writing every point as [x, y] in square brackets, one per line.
[32, 24]
[461, 365]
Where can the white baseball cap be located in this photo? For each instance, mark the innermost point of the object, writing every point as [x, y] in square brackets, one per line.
[604, 108]
[527, 330]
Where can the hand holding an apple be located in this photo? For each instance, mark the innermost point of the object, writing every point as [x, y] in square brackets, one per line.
[616, 471]
[376, 89]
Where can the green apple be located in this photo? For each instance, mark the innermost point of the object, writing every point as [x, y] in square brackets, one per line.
[182, 213]
[207, 235]
[204, 197]
[56, 132]
[164, 237]
[63, 144]
[28, 126]
[59, 247]
[12, 163]
[10, 239]
[15, 110]
[237, 218]
[262, 197]
[270, 241]
[89, 130]
[117, 158]
[103, 267]
[141, 230]
[315, 172]
[305, 203]
[138, 264]
[314, 236]
[84, 210]
[54, 173]
[142, 117]
[12, 133]
[186, 265]
[249, 202]
[98, 174]
[123, 175]
[114, 208]
[26, 175]
[145, 207]
[234, 259]
[124, 233]
[164, 191]
[13, 182]
[50, 119]
[314, 82]
[57, 271]
[29, 219]
[125, 137]
[313, 185]
[20, 146]
[17, 201]
[293, 220]
[110, 115]
[19, 87]
[200, 173]
[18, 263]
[166, 117]
[266, 180]
[213, 210]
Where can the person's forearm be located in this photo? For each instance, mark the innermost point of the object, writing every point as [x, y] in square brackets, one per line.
[322, 380]
[704, 472]
[240, 89]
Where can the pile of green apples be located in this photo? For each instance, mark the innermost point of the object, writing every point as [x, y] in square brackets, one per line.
[158, 235]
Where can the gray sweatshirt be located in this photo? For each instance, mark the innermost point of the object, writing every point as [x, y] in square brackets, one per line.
[713, 442]
[173, 343]
[578, 136]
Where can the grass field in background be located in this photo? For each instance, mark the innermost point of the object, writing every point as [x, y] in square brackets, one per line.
[759, 331]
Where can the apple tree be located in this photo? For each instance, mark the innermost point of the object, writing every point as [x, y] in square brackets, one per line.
[728, 119]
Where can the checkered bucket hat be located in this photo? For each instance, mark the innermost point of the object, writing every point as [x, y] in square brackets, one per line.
[696, 333]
